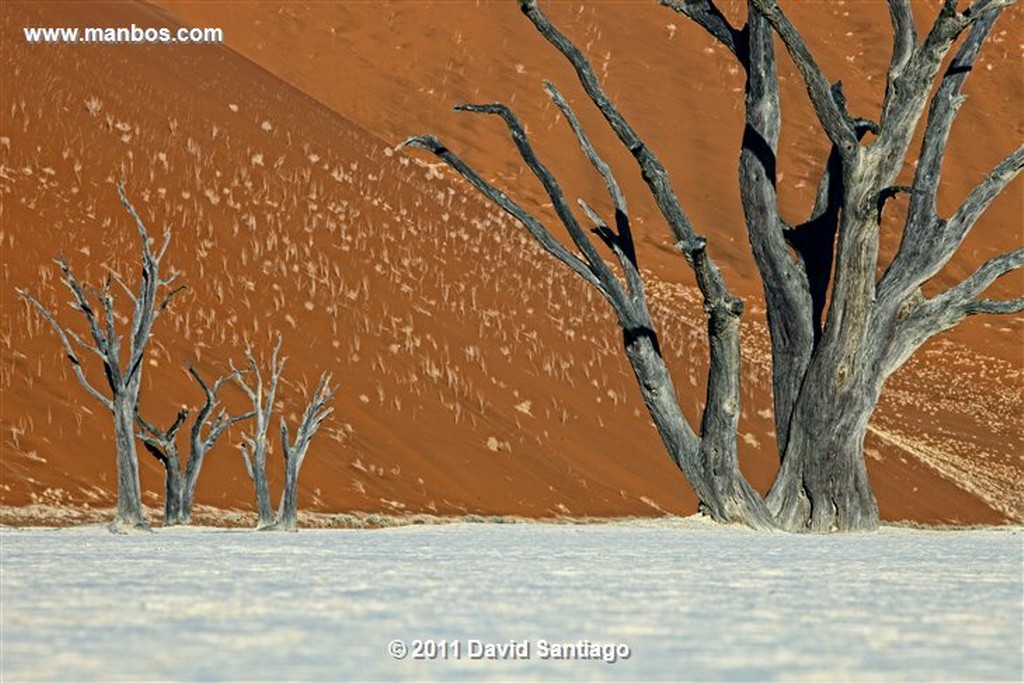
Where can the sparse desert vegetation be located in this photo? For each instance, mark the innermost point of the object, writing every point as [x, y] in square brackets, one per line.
[454, 324]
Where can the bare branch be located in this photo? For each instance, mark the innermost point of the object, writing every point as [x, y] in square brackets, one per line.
[262, 396]
[237, 375]
[124, 287]
[535, 228]
[85, 345]
[112, 338]
[904, 38]
[147, 255]
[224, 421]
[167, 300]
[554, 191]
[707, 15]
[985, 192]
[163, 247]
[964, 295]
[626, 260]
[276, 368]
[709, 278]
[200, 444]
[907, 91]
[942, 111]
[920, 319]
[178, 421]
[834, 119]
[926, 248]
[161, 436]
[614, 190]
[82, 305]
[316, 412]
[76, 365]
[245, 448]
[995, 306]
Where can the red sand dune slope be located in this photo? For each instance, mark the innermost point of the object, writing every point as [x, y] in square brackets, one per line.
[475, 376]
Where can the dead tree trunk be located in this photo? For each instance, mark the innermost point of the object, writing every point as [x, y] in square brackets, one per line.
[295, 451]
[124, 376]
[161, 445]
[836, 333]
[254, 447]
[180, 487]
[862, 325]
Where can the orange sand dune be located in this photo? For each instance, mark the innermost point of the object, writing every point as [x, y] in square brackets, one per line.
[475, 376]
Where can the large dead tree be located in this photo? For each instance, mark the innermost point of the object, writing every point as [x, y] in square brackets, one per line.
[207, 427]
[255, 446]
[837, 332]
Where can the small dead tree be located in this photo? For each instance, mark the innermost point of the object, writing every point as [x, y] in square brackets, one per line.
[295, 451]
[254, 447]
[207, 428]
[123, 374]
[837, 332]
[163, 445]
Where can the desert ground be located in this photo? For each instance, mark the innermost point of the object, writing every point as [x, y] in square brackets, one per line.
[689, 599]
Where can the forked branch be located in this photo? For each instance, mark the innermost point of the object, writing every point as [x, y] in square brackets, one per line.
[709, 278]
[76, 364]
[316, 412]
[254, 447]
[546, 240]
[926, 318]
[554, 191]
[836, 122]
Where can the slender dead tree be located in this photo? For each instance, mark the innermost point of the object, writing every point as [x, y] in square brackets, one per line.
[295, 451]
[207, 428]
[123, 375]
[837, 332]
[254, 447]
